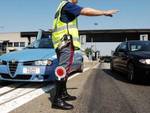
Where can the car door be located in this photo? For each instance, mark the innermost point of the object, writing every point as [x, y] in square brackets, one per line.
[115, 58]
[123, 55]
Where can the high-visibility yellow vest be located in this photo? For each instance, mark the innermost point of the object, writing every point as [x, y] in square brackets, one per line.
[60, 29]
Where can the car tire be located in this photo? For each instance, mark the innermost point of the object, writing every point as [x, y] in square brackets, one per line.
[81, 68]
[112, 67]
[131, 72]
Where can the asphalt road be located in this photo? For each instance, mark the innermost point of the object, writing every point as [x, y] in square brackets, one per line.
[98, 91]
[107, 92]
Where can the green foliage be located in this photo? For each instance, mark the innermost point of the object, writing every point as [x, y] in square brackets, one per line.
[88, 51]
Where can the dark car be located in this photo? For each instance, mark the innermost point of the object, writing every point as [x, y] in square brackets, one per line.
[133, 58]
[106, 59]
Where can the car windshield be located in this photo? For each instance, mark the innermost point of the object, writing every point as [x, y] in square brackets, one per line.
[140, 46]
[42, 43]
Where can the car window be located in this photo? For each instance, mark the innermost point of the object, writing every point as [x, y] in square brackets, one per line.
[42, 43]
[123, 46]
[117, 49]
[140, 46]
[135, 47]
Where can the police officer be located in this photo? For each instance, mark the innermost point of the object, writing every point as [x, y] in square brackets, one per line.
[65, 37]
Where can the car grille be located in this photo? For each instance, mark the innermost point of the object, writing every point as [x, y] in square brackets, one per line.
[12, 67]
[19, 77]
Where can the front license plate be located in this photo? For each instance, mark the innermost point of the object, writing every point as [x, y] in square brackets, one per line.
[31, 70]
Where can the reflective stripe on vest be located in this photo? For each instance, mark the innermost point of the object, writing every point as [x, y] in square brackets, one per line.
[60, 29]
[64, 28]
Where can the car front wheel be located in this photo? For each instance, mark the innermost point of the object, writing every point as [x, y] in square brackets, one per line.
[131, 72]
[111, 66]
[81, 68]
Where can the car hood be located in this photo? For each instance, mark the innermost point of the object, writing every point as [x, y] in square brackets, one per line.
[29, 55]
[141, 54]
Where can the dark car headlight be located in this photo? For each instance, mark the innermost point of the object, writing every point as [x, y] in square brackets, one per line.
[43, 62]
[3, 62]
[144, 61]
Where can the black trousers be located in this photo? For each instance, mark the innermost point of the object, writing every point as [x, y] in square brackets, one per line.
[65, 58]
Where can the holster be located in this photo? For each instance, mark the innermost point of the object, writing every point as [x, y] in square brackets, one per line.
[65, 41]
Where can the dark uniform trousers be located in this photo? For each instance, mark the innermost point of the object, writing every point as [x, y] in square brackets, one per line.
[65, 57]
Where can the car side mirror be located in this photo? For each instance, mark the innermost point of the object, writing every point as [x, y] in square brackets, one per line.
[115, 54]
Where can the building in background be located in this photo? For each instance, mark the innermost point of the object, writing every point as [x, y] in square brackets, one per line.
[12, 41]
[105, 41]
[102, 42]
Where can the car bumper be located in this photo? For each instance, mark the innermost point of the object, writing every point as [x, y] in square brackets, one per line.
[143, 68]
[43, 73]
[19, 80]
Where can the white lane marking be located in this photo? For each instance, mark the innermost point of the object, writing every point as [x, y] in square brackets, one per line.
[9, 88]
[78, 73]
[96, 66]
[16, 93]
[17, 102]
[7, 107]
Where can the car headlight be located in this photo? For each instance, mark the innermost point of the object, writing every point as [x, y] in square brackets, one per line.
[3, 62]
[43, 62]
[144, 61]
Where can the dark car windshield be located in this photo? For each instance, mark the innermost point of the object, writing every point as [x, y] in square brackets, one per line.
[140, 46]
[42, 43]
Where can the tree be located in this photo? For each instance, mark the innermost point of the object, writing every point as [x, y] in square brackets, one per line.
[88, 51]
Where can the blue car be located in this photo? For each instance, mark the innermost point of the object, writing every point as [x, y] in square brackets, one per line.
[35, 63]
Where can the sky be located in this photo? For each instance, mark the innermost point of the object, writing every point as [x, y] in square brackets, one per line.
[32, 15]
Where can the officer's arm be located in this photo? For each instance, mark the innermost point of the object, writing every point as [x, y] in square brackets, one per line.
[95, 12]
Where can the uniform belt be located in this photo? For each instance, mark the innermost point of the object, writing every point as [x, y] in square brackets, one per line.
[74, 39]
[67, 37]
[63, 44]
[65, 41]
